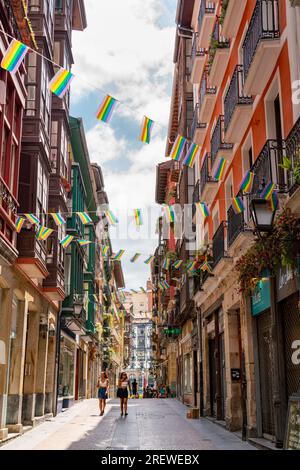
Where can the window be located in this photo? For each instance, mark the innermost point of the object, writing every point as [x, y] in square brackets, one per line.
[45, 96]
[42, 193]
[54, 144]
[34, 6]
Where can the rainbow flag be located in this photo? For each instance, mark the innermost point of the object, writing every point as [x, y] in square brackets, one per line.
[238, 205]
[44, 233]
[166, 264]
[19, 224]
[206, 267]
[170, 214]
[268, 191]
[146, 131]
[61, 82]
[143, 290]
[106, 109]
[111, 217]
[33, 219]
[177, 264]
[161, 286]
[84, 242]
[191, 266]
[135, 257]
[166, 285]
[178, 148]
[274, 201]
[247, 182]
[134, 291]
[220, 170]
[84, 217]
[149, 260]
[58, 219]
[138, 217]
[13, 56]
[105, 250]
[203, 209]
[65, 242]
[191, 155]
[118, 255]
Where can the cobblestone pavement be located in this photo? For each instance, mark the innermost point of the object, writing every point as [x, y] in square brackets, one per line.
[151, 424]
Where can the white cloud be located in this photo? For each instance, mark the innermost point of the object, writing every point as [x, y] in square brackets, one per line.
[103, 144]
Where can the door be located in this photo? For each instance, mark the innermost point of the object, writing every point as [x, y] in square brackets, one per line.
[291, 327]
[223, 376]
[212, 377]
[265, 365]
[195, 378]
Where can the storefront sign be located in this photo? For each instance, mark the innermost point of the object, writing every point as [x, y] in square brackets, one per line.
[286, 283]
[292, 435]
[261, 299]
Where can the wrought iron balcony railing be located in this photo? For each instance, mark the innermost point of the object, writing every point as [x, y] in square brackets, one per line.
[196, 124]
[235, 224]
[205, 175]
[218, 140]
[205, 89]
[235, 95]
[264, 24]
[196, 51]
[219, 244]
[205, 9]
[293, 153]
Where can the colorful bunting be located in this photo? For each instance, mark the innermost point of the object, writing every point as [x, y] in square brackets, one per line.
[147, 127]
[178, 148]
[166, 263]
[118, 255]
[268, 191]
[138, 217]
[191, 266]
[177, 264]
[84, 217]
[105, 250]
[166, 285]
[149, 260]
[33, 219]
[170, 214]
[220, 170]
[206, 267]
[111, 217]
[161, 285]
[247, 182]
[13, 56]
[65, 242]
[44, 233]
[61, 82]
[238, 205]
[135, 257]
[19, 224]
[134, 291]
[274, 201]
[143, 290]
[58, 219]
[84, 242]
[191, 155]
[106, 109]
[203, 209]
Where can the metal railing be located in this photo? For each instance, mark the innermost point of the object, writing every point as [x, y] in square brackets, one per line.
[235, 224]
[293, 153]
[235, 95]
[219, 244]
[218, 140]
[264, 24]
[206, 8]
[196, 197]
[196, 124]
[205, 89]
[205, 176]
[196, 52]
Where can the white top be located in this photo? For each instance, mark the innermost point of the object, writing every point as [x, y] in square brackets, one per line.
[103, 384]
[124, 384]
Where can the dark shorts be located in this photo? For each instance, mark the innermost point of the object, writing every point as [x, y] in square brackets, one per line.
[102, 393]
[122, 393]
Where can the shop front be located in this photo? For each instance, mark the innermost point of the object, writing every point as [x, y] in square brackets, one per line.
[66, 375]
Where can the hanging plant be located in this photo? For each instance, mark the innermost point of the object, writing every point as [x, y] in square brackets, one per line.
[223, 11]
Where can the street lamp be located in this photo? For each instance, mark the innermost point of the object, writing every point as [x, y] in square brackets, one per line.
[262, 214]
[77, 309]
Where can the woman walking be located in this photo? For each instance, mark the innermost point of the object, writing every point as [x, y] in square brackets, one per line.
[122, 393]
[103, 386]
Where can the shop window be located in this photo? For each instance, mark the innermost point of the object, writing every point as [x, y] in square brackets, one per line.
[187, 374]
[66, 370]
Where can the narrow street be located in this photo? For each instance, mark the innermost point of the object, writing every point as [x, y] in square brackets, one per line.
[151, 424]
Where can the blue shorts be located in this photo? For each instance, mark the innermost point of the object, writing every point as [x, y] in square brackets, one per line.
[102, 393]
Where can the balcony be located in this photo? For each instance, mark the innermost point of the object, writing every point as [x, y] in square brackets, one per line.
[197, 129]
[208, 186]
[238, 235]
[219, 146]
[233, 17]
[197, 61]
[237, 108]
[221, 261]
[54, 284]
[293, 153]
[206, 21]
[219, 52]
[207, 99]
[261, 46]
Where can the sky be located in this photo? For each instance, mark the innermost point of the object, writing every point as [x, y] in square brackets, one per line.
[127, 51]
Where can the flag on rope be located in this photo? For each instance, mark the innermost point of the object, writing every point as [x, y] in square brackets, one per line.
[106, 109]
[61, 82]
[170, 213]
[84, 217]
[44, 233]
[134, 291]
[118, 255]
[177, 264]
[203, 209]
[238, 205]
[13, 56]
[178, 148]
[146, 131]
[105, 250]
[166, 285]
[206, 267]
[191, 266]
[143, 290]
[65, 242]
[135, 257]
[220, 170]
[138, 217]
[112, 219]
[58, 219]
[33, 219]
[274, 201]
[149, 260]
[161, 286]
[19, 224]
[247, 183]
[268, 191]
[166, 263]
[191, 155]
[84, 242]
